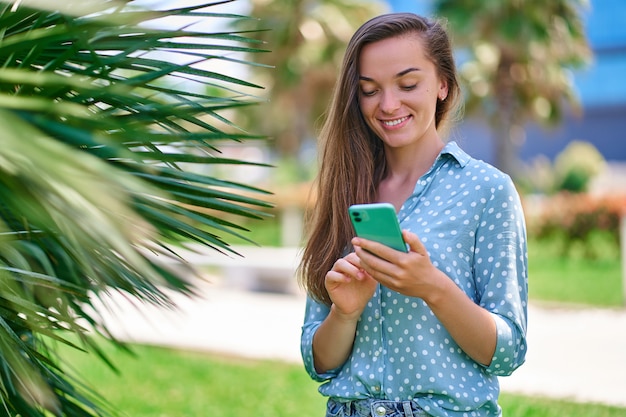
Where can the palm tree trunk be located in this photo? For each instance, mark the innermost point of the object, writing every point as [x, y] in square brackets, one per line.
[503, 120]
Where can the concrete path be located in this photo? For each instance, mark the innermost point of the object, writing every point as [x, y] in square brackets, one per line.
[573, 354]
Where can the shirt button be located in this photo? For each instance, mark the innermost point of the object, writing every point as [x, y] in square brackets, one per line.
[380, 410]
[377, 388]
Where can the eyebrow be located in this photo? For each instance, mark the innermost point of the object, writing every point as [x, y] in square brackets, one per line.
[398, 75]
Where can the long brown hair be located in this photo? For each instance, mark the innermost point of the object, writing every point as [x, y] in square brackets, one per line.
[352, 157]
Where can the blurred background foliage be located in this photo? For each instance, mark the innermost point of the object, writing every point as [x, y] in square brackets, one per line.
[515, 61]
[573, 170]
[307, 39]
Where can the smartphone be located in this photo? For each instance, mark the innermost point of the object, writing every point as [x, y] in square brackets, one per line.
[377, 222]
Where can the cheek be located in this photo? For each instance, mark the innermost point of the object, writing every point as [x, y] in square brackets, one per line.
[368, 114]
[367, 108]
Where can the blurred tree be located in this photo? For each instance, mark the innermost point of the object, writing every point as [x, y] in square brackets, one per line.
[105, 133]
[516, 63]
[307, 39]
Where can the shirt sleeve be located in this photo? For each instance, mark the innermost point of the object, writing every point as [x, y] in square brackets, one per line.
[314, 315]
[501, 274]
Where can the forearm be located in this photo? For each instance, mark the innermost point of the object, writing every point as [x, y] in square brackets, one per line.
[471, 326]
[333, 340]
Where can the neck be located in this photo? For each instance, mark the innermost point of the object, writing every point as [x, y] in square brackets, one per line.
[404, 168]
[409, 164]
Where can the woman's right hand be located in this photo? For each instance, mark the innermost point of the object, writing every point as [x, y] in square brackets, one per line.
[349, 287]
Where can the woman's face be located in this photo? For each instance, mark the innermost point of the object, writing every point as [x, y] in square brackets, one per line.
[398, 90]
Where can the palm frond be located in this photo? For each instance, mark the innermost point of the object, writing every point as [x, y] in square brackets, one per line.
[110, 126]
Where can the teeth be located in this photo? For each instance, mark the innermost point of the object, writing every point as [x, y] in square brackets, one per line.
[395, 122]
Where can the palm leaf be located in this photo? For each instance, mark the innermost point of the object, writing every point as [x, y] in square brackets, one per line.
[108, 121]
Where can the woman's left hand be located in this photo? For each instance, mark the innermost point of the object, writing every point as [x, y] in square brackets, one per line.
[411, 273]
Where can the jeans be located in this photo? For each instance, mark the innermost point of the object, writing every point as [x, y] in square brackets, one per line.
[373, 408]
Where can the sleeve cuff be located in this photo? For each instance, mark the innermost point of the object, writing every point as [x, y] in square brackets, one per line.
[510, 350]
[306, 349]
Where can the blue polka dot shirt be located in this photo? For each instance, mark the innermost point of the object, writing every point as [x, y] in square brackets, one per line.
[469, 216]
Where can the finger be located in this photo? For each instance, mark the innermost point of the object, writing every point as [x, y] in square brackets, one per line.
[334, 278]
[375, 267]
[371, 263]
[345, 267]
[353, 259]
[348, 267]
[374, 248]
[414, 242]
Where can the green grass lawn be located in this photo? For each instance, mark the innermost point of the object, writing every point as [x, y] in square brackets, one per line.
[160, 382]
[574, 279]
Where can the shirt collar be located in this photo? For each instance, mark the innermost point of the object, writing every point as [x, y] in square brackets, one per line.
[452, 149]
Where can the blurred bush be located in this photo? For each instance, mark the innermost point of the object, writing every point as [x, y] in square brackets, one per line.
[576, 219]
[577, 165]
[573, 170]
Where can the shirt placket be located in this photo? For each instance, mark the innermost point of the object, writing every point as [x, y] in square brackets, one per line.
[420, 188]
[378, 359]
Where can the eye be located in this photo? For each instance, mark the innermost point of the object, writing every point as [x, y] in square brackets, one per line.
[368, 93]
[408, 87]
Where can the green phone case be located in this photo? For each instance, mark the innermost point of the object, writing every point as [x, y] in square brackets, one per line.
[377, 222]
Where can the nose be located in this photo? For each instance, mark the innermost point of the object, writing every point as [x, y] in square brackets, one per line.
[389, 102]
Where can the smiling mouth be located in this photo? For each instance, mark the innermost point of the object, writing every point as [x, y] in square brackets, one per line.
[395, 122]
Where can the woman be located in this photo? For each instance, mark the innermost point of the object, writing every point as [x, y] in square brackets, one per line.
[425, 332]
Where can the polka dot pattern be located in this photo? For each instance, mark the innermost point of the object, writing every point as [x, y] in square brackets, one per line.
[469, 217]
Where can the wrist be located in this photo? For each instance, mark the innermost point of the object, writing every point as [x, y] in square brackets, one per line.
[440, 288]
[347, 318]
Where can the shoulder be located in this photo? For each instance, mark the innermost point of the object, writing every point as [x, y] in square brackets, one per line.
[480, 177]
[486, 174]
[477, 169]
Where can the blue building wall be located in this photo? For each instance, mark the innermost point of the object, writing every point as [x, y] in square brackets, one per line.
[601, 88]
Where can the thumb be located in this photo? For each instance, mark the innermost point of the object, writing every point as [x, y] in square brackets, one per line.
[414, 242]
